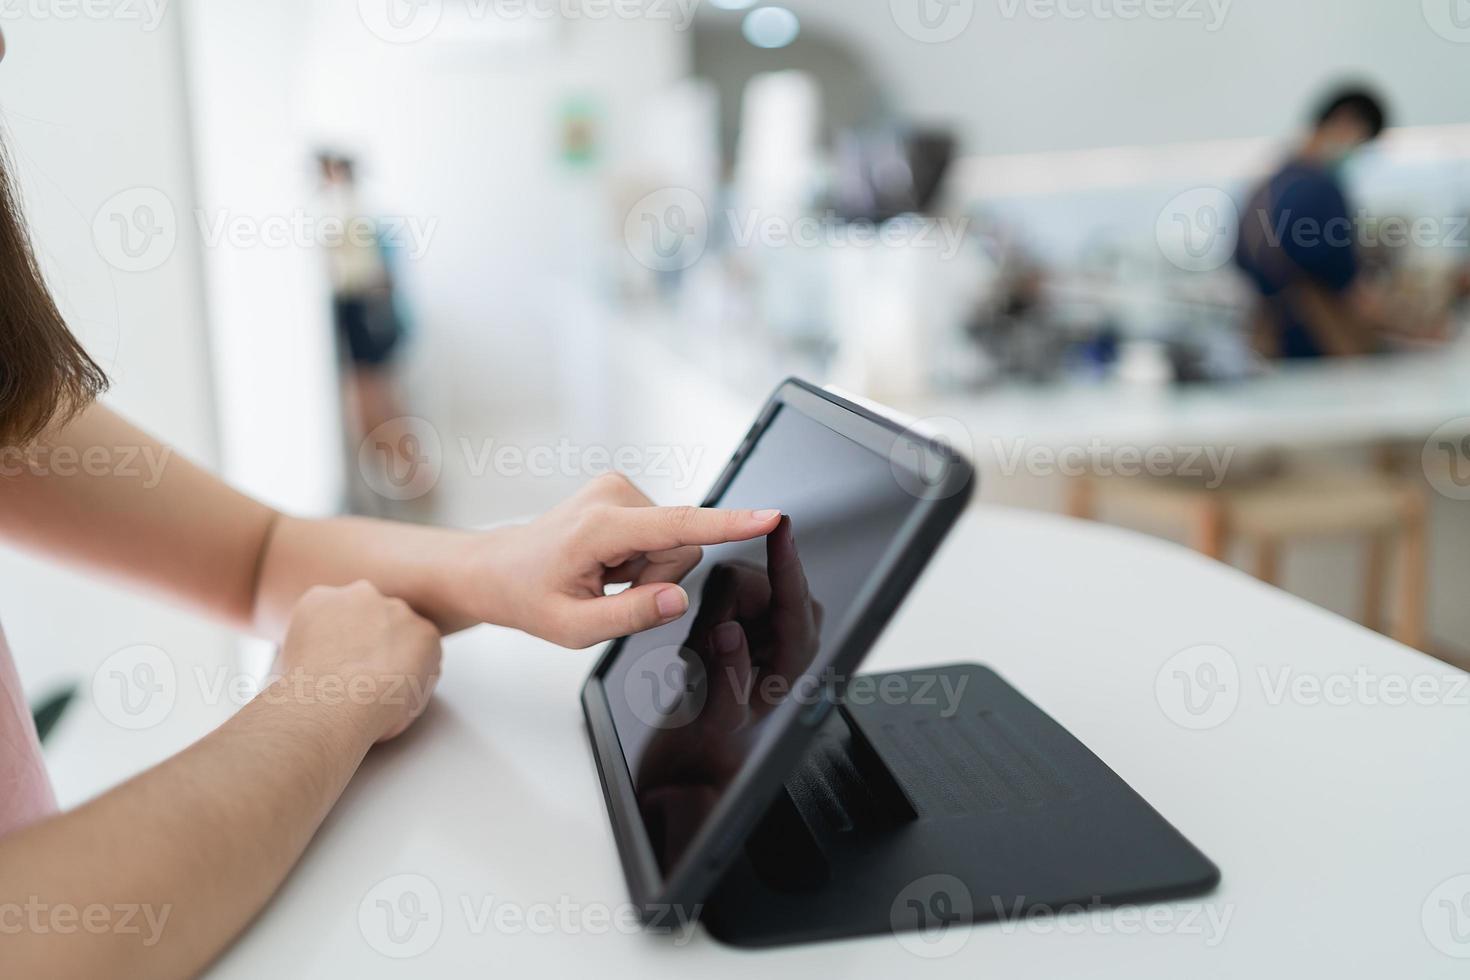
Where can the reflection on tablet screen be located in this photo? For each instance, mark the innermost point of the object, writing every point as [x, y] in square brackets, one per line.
[696, 700]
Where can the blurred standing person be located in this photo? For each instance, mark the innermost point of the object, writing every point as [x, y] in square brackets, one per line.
[1298, 242]
[370, 331]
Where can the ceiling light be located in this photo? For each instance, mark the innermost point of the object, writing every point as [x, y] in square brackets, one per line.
[771, 27]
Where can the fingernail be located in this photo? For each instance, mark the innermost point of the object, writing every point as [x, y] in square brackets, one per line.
[671, 602]
[727, 638]
[766, 515]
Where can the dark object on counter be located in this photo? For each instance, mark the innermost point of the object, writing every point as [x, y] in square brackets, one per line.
[1017, 331]
[50, 710]
[881, 176]
[930, 155]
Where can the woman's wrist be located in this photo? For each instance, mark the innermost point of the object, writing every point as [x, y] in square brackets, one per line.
[329, 711]
[478, 579]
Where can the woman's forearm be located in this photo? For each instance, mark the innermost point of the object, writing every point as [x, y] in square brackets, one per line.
[106, 496]
[420, 565]
[154, 878]
[103, 495]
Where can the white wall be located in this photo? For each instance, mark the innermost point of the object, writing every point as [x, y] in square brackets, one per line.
[1022, 83]
[460, 132]
[95, 108]
[274, 361]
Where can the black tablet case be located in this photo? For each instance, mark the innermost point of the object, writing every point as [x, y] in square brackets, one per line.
[921, 814]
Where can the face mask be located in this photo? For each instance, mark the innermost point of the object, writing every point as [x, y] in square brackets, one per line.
[1338, 160]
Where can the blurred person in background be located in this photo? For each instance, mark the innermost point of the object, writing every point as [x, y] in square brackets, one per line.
[370, 330]
[197, 845]
[1298, 242]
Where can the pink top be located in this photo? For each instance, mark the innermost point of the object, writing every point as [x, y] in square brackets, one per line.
[25, 792]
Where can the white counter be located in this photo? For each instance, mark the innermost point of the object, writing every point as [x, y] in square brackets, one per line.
[1337, 821]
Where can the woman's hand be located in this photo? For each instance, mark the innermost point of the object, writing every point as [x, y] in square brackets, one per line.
[201, 841]
[549, 577]
[354, 648]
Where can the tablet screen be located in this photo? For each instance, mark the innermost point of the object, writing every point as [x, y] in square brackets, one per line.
[696, 701]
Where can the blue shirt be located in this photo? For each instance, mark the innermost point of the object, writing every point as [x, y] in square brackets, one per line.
[1296, 229]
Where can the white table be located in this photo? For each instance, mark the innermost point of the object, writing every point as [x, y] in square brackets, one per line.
[1298, 404]
[1333, 823]
[1323, 403]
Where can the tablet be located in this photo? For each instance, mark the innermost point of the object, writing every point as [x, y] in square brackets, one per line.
[696, 723]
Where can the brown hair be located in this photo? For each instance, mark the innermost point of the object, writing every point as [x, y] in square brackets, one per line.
[45, 375]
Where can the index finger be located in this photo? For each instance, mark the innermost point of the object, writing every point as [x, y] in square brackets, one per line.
[643, 529]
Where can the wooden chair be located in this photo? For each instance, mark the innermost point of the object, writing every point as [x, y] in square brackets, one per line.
[1389, 511]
